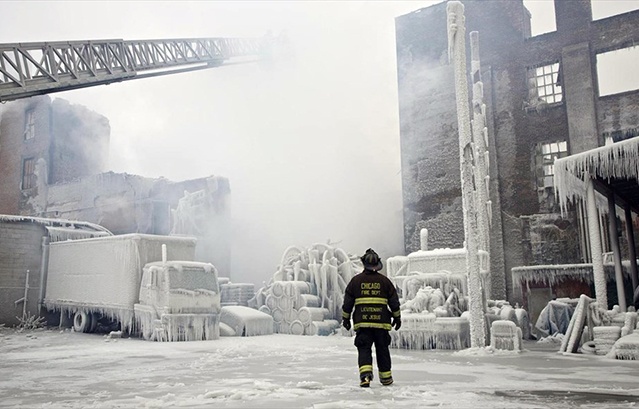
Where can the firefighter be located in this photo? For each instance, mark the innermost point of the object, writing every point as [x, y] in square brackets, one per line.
[375, 301]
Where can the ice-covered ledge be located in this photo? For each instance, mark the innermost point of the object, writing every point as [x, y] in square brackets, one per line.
[619, 160]
[554, 273]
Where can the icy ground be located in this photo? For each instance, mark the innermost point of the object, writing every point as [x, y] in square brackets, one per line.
[62, 369]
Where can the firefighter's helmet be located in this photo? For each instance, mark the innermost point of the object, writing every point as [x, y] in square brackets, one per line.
[371, 260]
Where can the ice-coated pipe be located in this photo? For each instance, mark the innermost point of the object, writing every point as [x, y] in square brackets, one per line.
[44, 263]
[423, 239]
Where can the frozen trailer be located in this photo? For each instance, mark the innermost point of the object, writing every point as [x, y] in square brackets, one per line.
[147, 283]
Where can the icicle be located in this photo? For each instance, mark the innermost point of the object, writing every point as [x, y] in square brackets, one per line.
[619, 160]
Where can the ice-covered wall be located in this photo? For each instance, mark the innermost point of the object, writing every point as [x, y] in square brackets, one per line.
[134, 204]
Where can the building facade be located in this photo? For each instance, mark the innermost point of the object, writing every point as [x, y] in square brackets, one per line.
[44, 142]
[52, 160]
[543, 102]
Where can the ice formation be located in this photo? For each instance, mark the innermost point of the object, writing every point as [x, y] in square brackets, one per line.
[627, 346]
[505, 334]
[473, 235]
[619, 160]
[62, 229]
[236, 293]
[554, 318]
[101, 277]
[595, 330]
[245, 321]
[306, 292]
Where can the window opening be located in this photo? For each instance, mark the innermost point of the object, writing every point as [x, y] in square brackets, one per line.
[29, 125]
[617, 71]
[545, 155]
[608, 8]
[28, 173]
[542, 16]
[544, 84]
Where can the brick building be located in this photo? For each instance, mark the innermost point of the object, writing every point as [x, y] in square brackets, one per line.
[543, 102]
[52, 160]
[44, 142]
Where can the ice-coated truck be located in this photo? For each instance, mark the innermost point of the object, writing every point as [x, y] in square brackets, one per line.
[148, 284]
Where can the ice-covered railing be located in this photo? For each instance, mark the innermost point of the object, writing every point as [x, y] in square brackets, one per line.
[619, 160]
[63, 233]
[70, 225]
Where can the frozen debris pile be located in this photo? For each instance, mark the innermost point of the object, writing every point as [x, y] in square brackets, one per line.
[505, 334]
[236, 293]
[306, 293]
[604, 332]
[605, 337]
[554, 318]
[502, 310]
[626, 347]
[435, 312]
[238, 320]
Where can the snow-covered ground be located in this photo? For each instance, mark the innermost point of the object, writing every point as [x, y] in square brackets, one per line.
[61, 369]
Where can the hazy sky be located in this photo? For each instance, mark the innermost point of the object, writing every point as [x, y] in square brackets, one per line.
[311, 145]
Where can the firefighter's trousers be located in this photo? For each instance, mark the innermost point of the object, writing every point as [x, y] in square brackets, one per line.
[364, 340]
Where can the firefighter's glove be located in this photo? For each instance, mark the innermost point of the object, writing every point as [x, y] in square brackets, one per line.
[397, 323]
[346, 322]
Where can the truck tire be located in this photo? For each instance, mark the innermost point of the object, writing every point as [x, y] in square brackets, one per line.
[82, 321]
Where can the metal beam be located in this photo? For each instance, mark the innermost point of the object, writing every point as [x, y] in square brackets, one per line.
[28, 69]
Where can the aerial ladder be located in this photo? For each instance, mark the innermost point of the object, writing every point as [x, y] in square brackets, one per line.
[29, 69]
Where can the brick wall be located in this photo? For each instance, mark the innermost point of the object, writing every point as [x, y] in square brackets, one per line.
[14, 149]
[20, 250]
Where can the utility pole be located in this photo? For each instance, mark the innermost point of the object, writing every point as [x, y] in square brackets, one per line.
[457, 55]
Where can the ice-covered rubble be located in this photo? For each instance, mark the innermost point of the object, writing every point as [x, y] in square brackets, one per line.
[306, 293]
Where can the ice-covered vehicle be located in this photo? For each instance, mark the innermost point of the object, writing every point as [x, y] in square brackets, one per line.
[146, 283]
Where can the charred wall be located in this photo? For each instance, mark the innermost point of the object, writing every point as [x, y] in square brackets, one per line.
[80, 142]
[65, 142]
[126, 203]
[15, 148]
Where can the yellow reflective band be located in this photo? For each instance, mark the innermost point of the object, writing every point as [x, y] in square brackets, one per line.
[371, 300]
[366, 368]
[397, 314]
[346, 315]
[387, 327]
[387, 374]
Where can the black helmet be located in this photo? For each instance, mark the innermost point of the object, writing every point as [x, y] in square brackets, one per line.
[371, 260]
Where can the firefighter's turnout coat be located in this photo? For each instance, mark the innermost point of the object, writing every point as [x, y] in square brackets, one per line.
[372, 300]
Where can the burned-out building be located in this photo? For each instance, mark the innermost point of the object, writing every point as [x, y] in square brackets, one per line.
[543, 102]
[52, 160]
[44, 142]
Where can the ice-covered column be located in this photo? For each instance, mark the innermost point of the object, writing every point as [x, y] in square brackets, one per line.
[616, 253]
[480, 140]
[595, 246]
[457, 55]
[632, 254]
